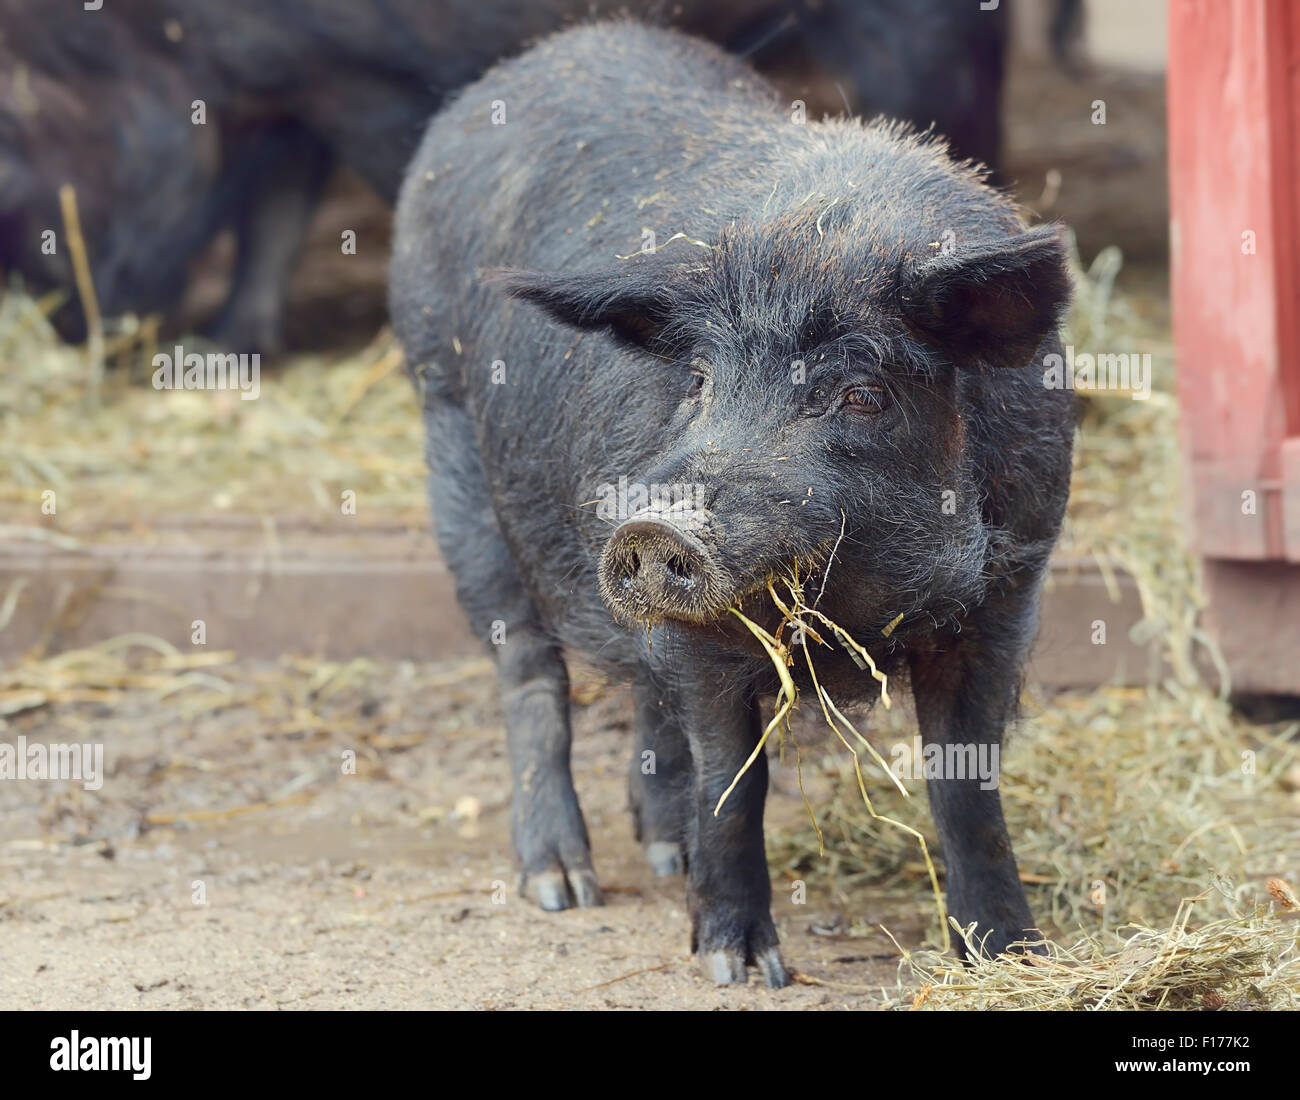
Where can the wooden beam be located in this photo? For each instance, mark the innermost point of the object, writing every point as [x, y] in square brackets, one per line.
[383, 592]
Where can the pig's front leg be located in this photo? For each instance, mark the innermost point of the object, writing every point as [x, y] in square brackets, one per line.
[549, 834]
[728, 888]
[547, 827]
[966, 690]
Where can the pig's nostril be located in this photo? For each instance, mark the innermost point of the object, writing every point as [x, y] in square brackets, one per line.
[631, 567]
[681, 570]
[651, 566]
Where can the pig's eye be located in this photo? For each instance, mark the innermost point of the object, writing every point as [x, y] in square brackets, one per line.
[697, 379]
[866, 399]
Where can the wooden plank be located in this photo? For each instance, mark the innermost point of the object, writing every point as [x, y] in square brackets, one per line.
[1254, 616]
[347, 591]
[330, 592]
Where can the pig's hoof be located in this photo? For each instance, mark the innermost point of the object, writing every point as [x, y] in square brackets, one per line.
[728, 967]
[585, 889]
[554, 890]
[665, 858]
[548, 890]
[769, 964]
[725, 967]
[1014, 945]
[247, 334]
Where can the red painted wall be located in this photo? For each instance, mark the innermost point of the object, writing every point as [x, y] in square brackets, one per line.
[1234, 129]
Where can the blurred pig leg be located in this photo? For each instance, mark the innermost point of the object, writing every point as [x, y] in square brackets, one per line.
[274, 182]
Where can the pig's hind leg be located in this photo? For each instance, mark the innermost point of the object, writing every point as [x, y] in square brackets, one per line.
[547, 827]
[659, 781]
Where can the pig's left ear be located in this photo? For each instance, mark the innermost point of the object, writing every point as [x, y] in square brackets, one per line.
[992, 302]
[634, 301]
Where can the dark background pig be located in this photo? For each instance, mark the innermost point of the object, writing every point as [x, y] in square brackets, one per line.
[295, 87]
[365, 77]
[916, 467]
[82, 103]
[95, 105]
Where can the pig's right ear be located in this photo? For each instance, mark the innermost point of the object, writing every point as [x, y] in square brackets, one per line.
[993, 302]
[634, 302]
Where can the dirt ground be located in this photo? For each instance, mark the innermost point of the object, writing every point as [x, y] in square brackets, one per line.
[388, 888]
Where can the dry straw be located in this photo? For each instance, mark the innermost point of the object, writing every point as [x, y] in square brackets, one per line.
[1247, 961]
[320, 425]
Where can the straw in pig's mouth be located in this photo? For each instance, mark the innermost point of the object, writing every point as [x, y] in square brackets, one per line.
[811, 628]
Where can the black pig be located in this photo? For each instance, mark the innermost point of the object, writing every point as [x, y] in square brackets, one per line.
[365, 77]
[94, 105]
[829, 343]
[82, 104]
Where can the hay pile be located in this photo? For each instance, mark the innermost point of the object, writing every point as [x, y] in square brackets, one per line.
[1121, 802]
[1248, 961]
[105, 673]
[121, 450]
[1128, 452]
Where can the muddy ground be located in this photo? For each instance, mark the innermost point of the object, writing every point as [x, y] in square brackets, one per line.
[227, 861]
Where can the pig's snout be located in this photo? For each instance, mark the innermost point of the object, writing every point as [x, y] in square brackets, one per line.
[652, 568]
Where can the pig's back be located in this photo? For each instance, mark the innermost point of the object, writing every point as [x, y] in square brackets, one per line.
[561, 185]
